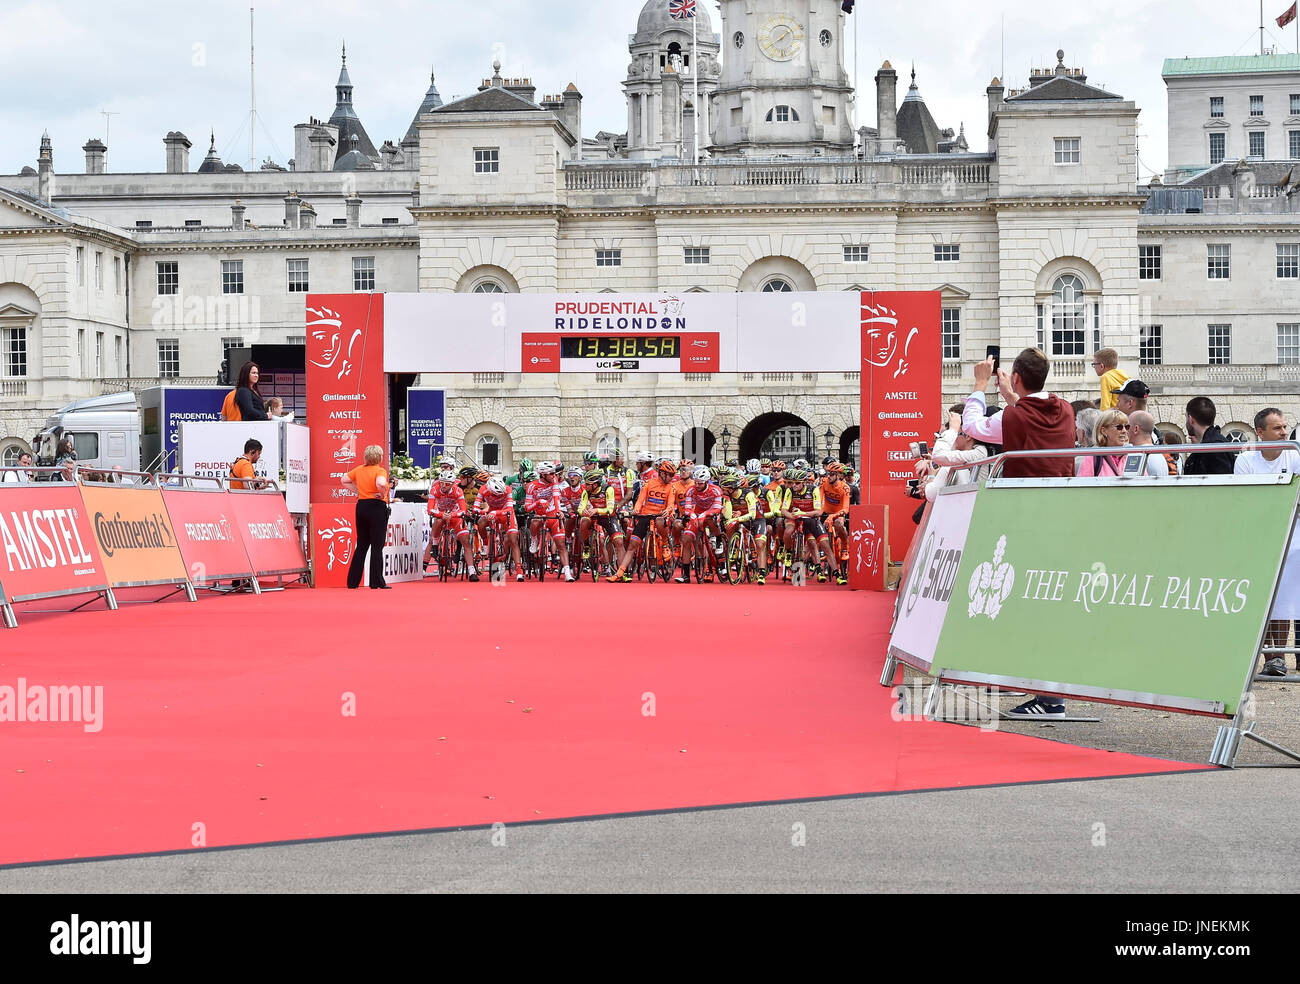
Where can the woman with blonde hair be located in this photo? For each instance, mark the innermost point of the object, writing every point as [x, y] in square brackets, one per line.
[371, 482]
[1112, 432]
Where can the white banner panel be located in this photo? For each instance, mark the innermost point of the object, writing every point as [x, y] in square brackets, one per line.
[696, 332]
[209, 448]
[408, 535]
[297, 467]
[927, 586]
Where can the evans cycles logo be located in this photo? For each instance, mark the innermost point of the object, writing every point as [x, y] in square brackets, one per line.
[117, 533]
[43, 538]
[991, 584]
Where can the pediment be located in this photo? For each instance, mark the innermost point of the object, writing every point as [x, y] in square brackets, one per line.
[19, 211]
[1255, 123]
[1218, 124]
[16, 312]
[951, 290]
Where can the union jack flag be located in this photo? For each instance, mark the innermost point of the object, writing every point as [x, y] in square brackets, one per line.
[681, 9]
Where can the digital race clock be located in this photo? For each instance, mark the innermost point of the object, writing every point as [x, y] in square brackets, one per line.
[622, 347]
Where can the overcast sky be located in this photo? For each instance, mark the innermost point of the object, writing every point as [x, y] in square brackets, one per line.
[184, 65]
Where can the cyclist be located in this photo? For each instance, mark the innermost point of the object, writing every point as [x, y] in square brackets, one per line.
[496, 506]
[835, 506]
[765, 469]
[700, 510]
[804, 514]
[682, 486]
[447, 508]
[621, 467]
[467, 479]
[571, 491]
[543, 503]
[776, 500]
[597, 506]
[740, 508]
[615, 475]
[654, 504]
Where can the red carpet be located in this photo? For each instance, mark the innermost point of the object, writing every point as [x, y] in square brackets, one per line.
[473, 704]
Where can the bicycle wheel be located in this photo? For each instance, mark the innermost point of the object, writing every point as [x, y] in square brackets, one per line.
[596, 546]
[444, 556]
[648, 554]
[734, 560]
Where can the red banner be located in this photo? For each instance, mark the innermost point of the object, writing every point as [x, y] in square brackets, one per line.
[204, 523]
[333, 540]
[868, 547]
[347, 393]
[47, 545]
[901, 398]
[134, 535]
[262, 520]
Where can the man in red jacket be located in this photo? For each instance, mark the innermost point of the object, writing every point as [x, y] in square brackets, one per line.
[1034, 420]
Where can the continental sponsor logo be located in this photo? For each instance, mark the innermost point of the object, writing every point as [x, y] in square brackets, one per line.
[279, 530]
[41, 539]
[899, 415]
[151, 533]
[331, 397]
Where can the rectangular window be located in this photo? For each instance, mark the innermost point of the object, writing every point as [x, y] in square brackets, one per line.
[1295, 104]
[1257, 144]
[99, 270]
[947, 252]
[697, 255]
[14, 351]
[117, 274]
[296, 340]
[193, 223]
[363, 274]
[143, 224]
[858, 254]
[99, 355]
[1151, 345]
[783, 114]
[389, 220]
[169, 277]
[1218, 147]
[1220, 345]
[1293, 144]
[1216, 107]
[950, 333]
[81, 350]
[1067, 150]
[1219, 261]
[1041, 340]
[339, 222]
[487, 160]
[297, 276]
[169, 358]
[1288, 261]
[1288, 344]
[232, 276]
[609, 257]
[1149, 262]
[233, 341]
[81, 266]
[118, 365]
[1256, 105]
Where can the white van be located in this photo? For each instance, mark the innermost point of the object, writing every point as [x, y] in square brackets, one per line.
[105, 432]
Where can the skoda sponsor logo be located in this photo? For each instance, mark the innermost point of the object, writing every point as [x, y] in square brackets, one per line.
[934, 571]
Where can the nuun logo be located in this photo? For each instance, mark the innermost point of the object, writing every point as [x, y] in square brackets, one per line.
[991, 584]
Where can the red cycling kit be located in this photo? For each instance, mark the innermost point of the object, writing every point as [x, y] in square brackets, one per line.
[499, 509]
[448, 505]
[701, 504]
[542, 499]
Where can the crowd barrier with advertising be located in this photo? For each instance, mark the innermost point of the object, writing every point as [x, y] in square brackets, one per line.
[66, 538]
[333, 543]
[1119, 590]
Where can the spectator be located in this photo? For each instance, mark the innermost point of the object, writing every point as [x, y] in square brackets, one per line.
[1201, 430]
[966, 451]
[1036, 419]
[276, 411]
[18, 475]
[1132, 396]
[1112, 432]
[247, 396]
[1270, 425]
[1141, 429]
[1085, 432]
[66, 461]
[242, 474]
[975, 417]
[371, 483]
[1106, 365]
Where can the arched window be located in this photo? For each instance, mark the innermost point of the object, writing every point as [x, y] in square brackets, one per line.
[9, 456]
[488, 287]
[1069, 316]
[609, 441]
[776, 286]
[487, 451]
[782, 114]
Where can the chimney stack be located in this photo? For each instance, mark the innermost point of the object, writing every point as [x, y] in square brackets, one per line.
[45, 169]
[95, 152]
[887, 107]
[572, 114]
[178, 152]
[292, 210]
[388, 155]
[323, 140]
[308, 216]
[353, 203]
[237, 216]
[995, 92]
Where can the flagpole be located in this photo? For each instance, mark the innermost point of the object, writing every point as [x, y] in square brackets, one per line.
[695, 78]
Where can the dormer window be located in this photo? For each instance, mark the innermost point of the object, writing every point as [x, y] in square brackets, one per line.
[782, 114]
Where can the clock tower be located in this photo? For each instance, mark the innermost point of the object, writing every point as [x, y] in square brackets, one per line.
[783, 90]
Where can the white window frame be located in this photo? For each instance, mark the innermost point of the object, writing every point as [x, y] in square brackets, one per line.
[1150, 262]
[1069, 317]
[1068, 150]
[99, 269]
[1262, 138]
[950, 334]
[363, 274]
[1151, 345]
[232, 276]
[1288, 261]
[487, 160]
[484, 440]
[1295, 104]
[776, 285]
[81, 266]
[169, 361]
[1218, 266]
[1216, 102]
[1256, 106]
[169, 280]
[99, 355]
[947, 252]
[1293, 144]
[292, 272]
[609, 257]
[696, 255]
[1288, 343]
[857, 253]
[1222, 139]
[1219, 340]
[13, 353]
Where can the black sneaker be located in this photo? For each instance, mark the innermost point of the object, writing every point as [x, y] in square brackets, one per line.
[1275, 666]
[474, 577]
[1037, 708]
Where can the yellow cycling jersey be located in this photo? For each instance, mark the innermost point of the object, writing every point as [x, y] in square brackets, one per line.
[778, 500]
[751, 508]
[605, 509]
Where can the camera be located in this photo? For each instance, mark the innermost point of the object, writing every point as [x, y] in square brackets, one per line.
[914, 488]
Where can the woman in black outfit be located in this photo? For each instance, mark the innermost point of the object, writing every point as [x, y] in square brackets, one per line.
[247, 396]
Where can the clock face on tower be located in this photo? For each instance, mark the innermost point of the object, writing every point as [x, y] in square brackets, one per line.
[781, 37]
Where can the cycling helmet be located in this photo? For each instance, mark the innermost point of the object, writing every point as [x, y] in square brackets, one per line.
[526, 465]
[482, 477]
[557, 466]
[701, 474]
[667, 467]
[590, 458]
[752, 465]
[467, 472]
[644, 458]
[778, 465]
[530, 476]
[606, 458]
[826, 461]
[764, 462]
[593, 477]
[731, 483]
[446, 476]
[496, 486]
[574, 473]
[545, 468]
[755, 479]
[801, 463]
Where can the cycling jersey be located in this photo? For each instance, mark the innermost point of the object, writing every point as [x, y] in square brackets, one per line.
[542, 498]
[601, 503]
[657, 497]
[835, 497]
[571, 497]
[491, 503]
[616, 481]
[732, 506]
[807, 501]
[705, 501]
[450, 503]
[778, 501]
[681, 489]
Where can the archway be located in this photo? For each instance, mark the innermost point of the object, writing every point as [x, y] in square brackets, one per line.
[851, 446]
[778, 435]
[697, 444]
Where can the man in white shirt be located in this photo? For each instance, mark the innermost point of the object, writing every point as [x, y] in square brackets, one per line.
[1140, 427]
[18, 476]
[987, 430]
[1270, 425]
